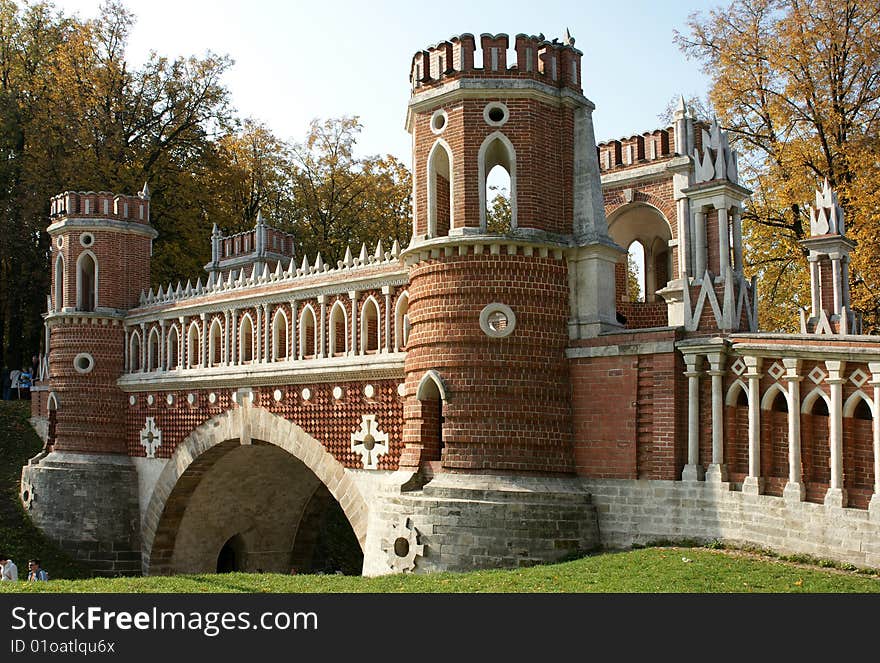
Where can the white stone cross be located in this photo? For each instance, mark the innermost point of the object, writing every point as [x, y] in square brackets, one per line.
[151, 437]
[369, 442]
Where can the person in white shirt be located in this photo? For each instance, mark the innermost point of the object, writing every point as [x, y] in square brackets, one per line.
[9, 569]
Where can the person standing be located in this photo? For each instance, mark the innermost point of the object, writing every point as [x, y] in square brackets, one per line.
[35, 573]
[8, 569]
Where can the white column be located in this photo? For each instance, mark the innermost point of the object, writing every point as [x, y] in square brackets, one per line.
[737, 240]
[693, 471]
[204, 341]
[181, 343]
[794, 490]
[322, 339]
[874, 504]
[754, 483]
[125, 356]
[836, 495]
[161, 345]
[723, 242]
[226, 338]
[258, 335]
[387, 290]
[354, 316]
[717, 471]
[835, 280]
[143, 348]
[699, 243]
[233, 346]
[815, 286]
[294, 341]
[267, 324]
[685, 261]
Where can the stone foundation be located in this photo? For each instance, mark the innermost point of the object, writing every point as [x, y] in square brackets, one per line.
[88, 505]
[462, 522]
[640, 512]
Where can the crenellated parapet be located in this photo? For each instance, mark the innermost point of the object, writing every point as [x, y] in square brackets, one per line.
[549, 61]
[101, 205]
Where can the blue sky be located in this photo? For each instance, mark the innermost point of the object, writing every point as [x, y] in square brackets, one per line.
[299, 60]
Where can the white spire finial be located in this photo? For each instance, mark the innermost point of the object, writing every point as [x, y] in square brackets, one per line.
[145, 192]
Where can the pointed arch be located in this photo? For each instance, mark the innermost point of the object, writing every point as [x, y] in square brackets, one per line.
[810, 400]
[440, 195]
[496, 150]
[245, 339]
[172, 344]
[194, 345]
[280, 325]
[59, 282]
[855, 399]
[338, 330]
[371, 330]
[431, 380]
[153, 350]
[770, 396]
[86, 282]
[215, 343]
[732, 397]
[134, 351]
[308, 339]
[401, 321]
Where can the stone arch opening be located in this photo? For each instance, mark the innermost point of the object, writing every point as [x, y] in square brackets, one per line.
[338, 330]
[246, 340]
[134, 352]
[439, 190]
[194, 346]
[215, 343]
[858, 450]
[59, 282]
[171, 351]
[153, 350]
[214, 488]
[52, 409]
[279, 336]
[431, 394]
[86, 282]
[647, 225]
[308, 339]
[371, 334]
[496, 150]
[232, 555]
[774, 440]
[401, 322]
[736, 450]
[815, 445]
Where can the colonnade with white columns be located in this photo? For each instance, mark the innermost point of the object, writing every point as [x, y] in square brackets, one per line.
[714, 362]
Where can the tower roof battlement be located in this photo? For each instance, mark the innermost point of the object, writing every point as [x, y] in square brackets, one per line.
[101, 205]
[556, 63]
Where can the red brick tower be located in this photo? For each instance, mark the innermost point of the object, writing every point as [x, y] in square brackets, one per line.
[492, 308]
[101, 246]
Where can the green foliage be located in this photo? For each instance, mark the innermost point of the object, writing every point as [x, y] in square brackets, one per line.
[499, 214]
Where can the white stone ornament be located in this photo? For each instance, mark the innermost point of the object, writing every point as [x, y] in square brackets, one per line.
[337, 393]
[369, 391]
[306, 394]
[150, 399]
[277, 395]
[401, 389]
[151, 437]
[132, 400]
[212, 398]
[369, 442]
[404, 546]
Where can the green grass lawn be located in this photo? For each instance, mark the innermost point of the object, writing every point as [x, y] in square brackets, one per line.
[643, 570]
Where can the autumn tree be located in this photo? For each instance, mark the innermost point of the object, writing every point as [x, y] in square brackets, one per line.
[341, 200]
[797, 83]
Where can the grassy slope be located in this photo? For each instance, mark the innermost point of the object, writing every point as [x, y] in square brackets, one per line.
[648, 570]
[19, 538]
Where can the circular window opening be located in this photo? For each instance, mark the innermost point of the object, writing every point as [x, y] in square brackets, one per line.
[83, 362]
[438, 121]
[60, 242]
[87, 239]
[497, 320]
[496, 114]
[401, 547]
